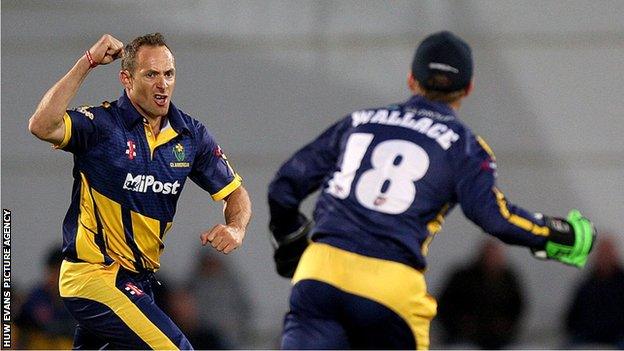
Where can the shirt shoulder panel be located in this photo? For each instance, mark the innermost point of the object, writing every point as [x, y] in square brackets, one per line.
[85, 126]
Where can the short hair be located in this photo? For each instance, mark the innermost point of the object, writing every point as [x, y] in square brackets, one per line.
[128, 62]
[441, 96]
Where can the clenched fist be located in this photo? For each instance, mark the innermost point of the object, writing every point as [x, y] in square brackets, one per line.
[106, 50]
[224, 238]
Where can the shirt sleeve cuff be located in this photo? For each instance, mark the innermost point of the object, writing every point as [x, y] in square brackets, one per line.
[228, 189]
[68, 128]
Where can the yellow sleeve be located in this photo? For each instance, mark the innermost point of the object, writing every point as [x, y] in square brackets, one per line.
[68, 128]
[228, 189]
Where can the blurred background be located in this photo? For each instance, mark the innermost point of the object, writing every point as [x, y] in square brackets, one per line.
[268, 76]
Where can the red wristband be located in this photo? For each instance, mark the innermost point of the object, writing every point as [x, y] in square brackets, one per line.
[90, 59]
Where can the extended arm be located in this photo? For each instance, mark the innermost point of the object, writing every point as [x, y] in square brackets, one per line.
[47, 122]
[237, 212]
[566, 240]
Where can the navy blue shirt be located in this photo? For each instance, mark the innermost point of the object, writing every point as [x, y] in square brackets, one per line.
[389, 175]
[127, 181]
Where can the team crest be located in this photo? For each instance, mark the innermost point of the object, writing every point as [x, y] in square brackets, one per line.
[178, 151]
[131, 149]
[180, 155]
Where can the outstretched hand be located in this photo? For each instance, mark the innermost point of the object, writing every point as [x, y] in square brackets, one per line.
[224, 238]
[106, 50]
[570, 240]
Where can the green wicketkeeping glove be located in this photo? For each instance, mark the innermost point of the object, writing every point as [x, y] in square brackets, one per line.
[570, 239]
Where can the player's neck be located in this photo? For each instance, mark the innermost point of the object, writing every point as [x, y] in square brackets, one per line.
[455, 105]
[417, 90]
[155, 122]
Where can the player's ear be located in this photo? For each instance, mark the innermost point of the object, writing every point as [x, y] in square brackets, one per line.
[411, 82]
[125, 78]
[469, 88]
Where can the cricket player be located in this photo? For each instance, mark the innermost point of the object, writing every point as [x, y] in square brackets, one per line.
[388, 176]
[131, 160]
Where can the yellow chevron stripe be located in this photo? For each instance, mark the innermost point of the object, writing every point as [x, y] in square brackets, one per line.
[397, 286]
[147, 237]
[433, 227]
[86, 248]
[486, 147]
[112, 224]
[97, 283]
[516, 220]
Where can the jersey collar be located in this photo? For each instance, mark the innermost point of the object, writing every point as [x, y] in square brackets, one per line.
[131, 116]
[436, 106]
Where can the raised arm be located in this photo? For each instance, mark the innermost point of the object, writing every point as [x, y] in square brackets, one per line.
[47, 122]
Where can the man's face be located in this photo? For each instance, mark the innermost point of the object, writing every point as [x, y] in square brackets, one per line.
[151, 84]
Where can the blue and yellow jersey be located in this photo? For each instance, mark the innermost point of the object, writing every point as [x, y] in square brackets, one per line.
[127, 181]
[390, 175]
